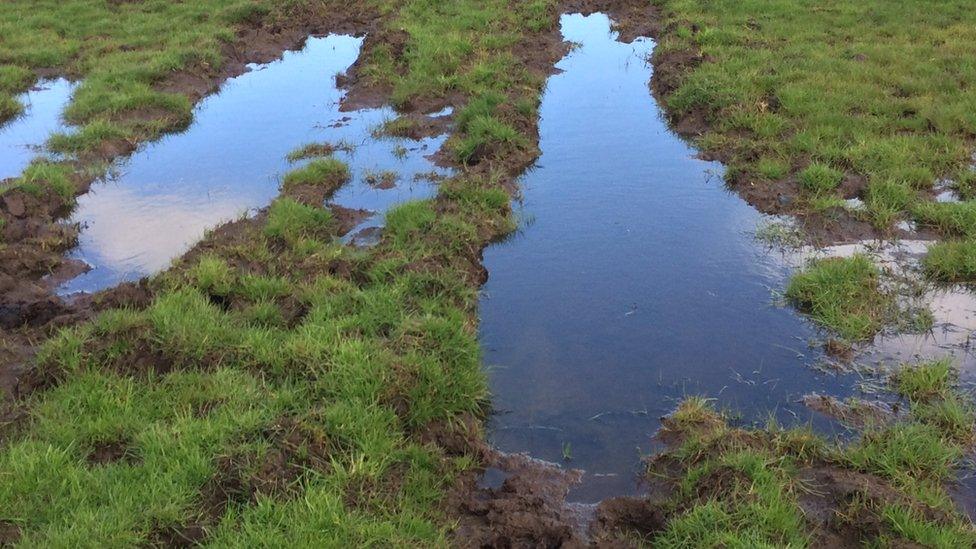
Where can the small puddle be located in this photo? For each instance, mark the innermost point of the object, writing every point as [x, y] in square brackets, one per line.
[635, 280]
[953, 307]
[161, 200]
[23, 138]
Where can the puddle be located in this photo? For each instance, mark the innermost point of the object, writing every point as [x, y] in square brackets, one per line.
[635, 280]
[162, 199]
[23, 138]
[953, 308]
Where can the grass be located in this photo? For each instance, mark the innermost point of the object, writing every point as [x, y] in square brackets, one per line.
[43, 178]
[843, 295]
[820, 178]
[734, 487]
[815, 92]
[318, 150]
[123, 51]
[949, 218]
[328, 172]
[868, 89]
[280, 388]
[951, 261]
[284, 389]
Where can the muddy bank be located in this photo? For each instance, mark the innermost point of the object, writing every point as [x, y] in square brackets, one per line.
[36, 239]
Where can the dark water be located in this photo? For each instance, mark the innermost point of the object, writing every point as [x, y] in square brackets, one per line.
[635, 281]
[230, 161]
[22, 138]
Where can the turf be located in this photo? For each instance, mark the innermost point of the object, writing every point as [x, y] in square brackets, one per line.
[809, 94]
[842, 294]
[736, 487]
[280, 387]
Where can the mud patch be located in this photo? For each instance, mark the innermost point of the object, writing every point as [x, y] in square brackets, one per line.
[528, 509]
[9, 533]
[113, 451]
[842, 506]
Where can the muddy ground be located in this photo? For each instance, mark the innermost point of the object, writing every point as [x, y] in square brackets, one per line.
[528, 507]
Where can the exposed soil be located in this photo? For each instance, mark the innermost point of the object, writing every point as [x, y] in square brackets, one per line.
[113, 451]
[829, 506]
[9, 533]
[527, 507]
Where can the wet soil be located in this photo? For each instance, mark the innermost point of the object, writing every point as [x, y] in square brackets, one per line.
[32, 259]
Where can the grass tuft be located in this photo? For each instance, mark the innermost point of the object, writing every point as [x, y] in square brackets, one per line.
[953, 261]
[843, 295]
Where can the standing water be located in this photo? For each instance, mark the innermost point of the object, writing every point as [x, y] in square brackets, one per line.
[230, 161]
[635, 282]
[23, 138]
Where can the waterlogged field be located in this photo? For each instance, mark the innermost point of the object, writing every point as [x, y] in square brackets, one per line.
[435, 273]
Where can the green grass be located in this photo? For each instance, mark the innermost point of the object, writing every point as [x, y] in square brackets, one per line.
[819, 91]
[949, 218]
[42, 178]
[873, 89]
[328, 172]
[820, 178]
[298, 376]
[951, 261]
[292, 221]
[737, 487]
[758, 509]
[843, 295]
[318, 150]
[123, 51]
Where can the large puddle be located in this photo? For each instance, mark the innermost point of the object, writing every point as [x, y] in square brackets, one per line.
[23, 138]
[162, 199]
[634, 281]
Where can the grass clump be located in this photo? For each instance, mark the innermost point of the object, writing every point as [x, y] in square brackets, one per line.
[820, 178]
[952, 261]
[9, 107]
[739, 487]
[42, 177]
[842, 294]
[317, 150]
[330, 173]
[292, 221]
[400, 127]
[949, 218]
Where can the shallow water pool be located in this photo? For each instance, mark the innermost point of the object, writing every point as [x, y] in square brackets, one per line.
[229, 162]
[635, 280]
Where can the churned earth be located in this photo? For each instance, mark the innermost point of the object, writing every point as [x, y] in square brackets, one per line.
[292, 378]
